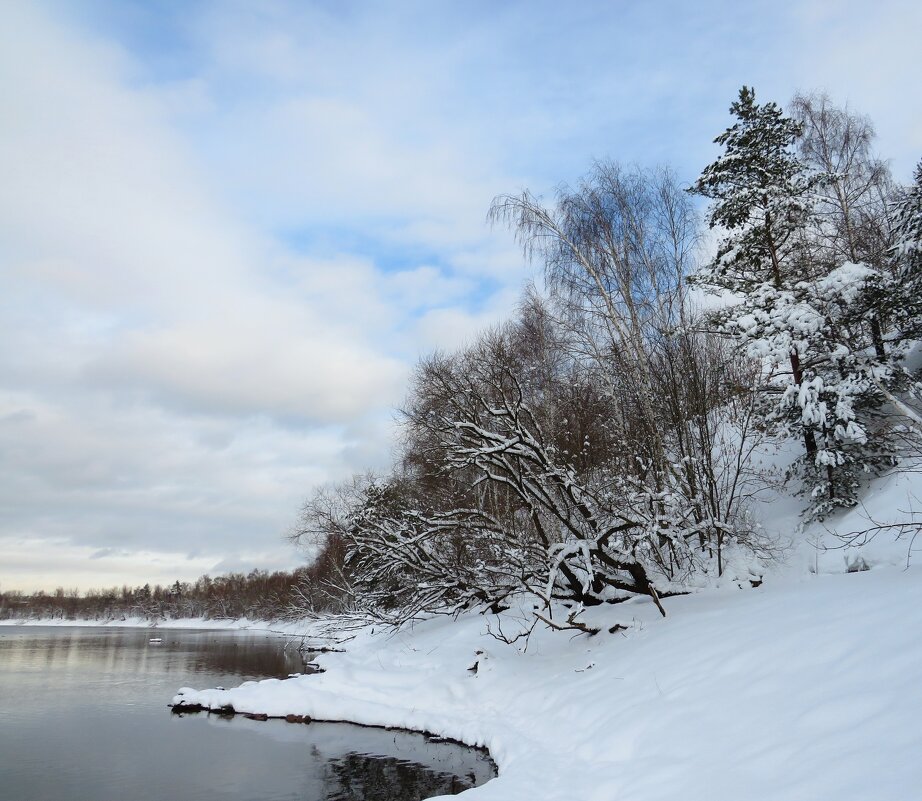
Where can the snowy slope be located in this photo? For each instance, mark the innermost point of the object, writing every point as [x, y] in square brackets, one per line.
[892, 498]
[802, 689]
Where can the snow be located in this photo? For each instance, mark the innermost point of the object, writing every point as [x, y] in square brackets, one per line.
[895, 500]
[845, 283]
[809, 687]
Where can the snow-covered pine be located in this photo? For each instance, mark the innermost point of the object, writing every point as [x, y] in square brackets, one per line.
[799, 313]
[840, 397]
[762, 199]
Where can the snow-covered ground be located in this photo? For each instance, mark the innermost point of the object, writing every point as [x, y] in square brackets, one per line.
[806, 688]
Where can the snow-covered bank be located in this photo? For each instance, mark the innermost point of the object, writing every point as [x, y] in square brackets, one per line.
[807, 689]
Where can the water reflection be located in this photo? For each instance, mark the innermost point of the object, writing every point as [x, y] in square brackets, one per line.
[359, 777]
[83, 715]
[247, 654]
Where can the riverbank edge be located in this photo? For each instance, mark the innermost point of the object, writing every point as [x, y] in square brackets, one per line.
[194, 709]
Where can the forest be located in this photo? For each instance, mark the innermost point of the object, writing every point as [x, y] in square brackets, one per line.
[257, 595]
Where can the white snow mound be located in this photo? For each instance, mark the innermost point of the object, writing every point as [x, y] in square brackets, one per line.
[806, 690]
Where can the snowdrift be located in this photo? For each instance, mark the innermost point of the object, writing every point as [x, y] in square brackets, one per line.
[801, 689]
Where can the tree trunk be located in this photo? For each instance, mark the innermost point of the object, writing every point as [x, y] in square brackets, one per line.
[809, 436]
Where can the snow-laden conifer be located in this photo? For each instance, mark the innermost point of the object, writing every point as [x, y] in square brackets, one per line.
[798, 312]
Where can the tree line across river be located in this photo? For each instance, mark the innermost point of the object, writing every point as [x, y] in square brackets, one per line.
[258, 595]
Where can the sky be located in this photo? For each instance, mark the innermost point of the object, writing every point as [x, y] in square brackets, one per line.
[228, 229]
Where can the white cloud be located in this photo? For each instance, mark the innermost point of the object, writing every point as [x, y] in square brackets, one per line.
[867, 54]
[42, 564]
[449, 327]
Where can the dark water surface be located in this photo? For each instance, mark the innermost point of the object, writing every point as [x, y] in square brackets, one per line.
[84, 717]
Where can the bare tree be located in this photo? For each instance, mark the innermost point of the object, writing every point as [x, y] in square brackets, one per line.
[851, 214]
[617, 251]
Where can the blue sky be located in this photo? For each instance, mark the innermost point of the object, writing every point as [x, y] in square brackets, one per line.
[228, 229]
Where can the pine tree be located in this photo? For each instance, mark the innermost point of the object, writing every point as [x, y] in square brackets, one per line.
[795, 312]
[761, 193]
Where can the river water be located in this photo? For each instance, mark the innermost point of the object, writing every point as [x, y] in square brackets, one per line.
[84, 717]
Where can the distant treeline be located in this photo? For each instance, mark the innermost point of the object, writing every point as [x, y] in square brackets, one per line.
[258, 595]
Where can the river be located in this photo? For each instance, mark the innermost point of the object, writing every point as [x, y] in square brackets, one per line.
[84, 717]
